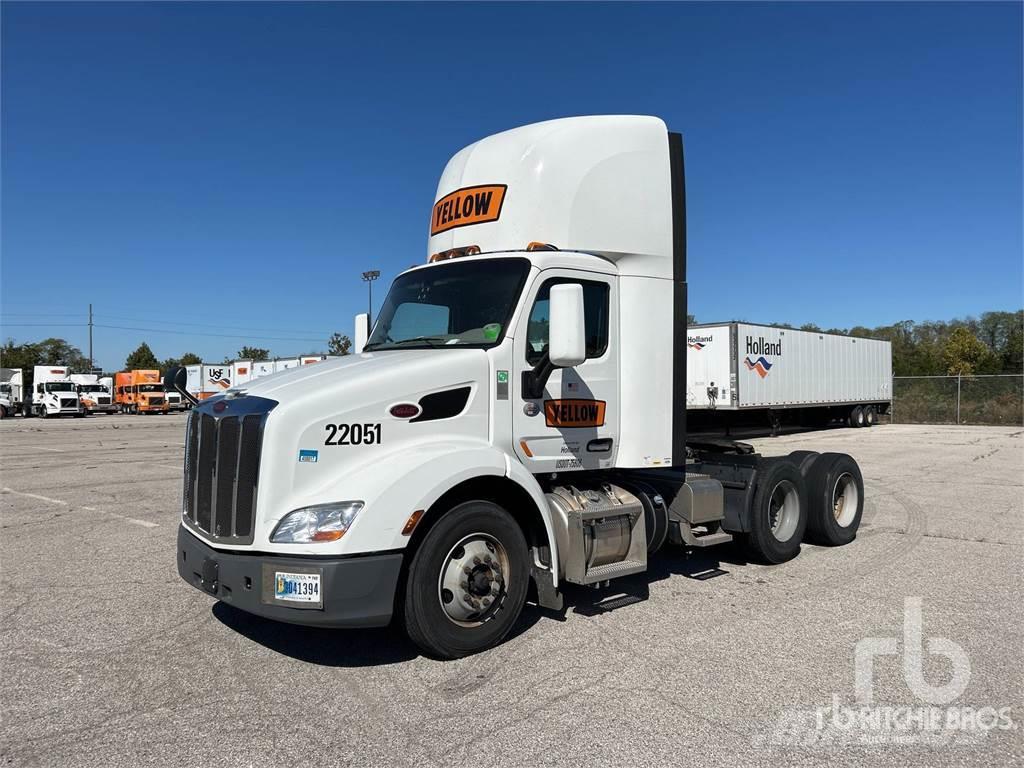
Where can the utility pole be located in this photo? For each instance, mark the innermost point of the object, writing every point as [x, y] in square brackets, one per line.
[91, 363]
[368, 278]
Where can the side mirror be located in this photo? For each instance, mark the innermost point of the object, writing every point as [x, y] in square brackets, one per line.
[362, 332]
[567, 340]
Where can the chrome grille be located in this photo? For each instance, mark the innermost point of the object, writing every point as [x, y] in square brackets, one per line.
[66, 403]
[156, 401]
[222, 461]
[103, 400]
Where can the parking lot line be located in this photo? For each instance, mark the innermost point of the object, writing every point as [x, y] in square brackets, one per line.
[134, 521]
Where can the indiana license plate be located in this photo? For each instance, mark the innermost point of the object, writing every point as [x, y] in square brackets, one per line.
[297, 587]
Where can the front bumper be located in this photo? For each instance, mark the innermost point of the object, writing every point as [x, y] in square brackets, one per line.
[358, 591]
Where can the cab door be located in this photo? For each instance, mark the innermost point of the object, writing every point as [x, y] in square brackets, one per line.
[575, 424]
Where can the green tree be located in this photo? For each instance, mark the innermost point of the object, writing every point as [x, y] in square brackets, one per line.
[189, 358]
[338, 344]
[141, 358]
[253, 353]
[963, 352]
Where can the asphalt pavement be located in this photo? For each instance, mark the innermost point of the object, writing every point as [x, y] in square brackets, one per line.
[108, 659]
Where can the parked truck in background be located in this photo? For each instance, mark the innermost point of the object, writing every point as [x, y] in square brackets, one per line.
[54, 393]
[140, 391]
[94, 394]
[517, 415]
[11, 391]
[749, 375]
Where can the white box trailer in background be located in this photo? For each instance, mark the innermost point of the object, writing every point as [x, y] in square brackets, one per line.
[262, 368]
[216, 380]
[748, 374]
[284, 365]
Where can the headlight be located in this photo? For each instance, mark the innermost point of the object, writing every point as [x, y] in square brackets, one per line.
[321, 522]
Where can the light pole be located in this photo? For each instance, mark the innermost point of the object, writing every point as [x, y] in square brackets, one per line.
[368, 278]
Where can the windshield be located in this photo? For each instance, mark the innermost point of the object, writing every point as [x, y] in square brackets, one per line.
[60, 386]
[456, 304]
[91, 388]
[151, 387]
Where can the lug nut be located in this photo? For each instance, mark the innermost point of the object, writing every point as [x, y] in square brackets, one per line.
[477, 560]
[487, 601]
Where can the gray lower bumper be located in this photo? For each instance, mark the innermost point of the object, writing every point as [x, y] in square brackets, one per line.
[356, 591]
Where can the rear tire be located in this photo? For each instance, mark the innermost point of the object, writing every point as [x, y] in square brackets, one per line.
[835, 490]
[802, 458]
[870, 416]
[857, 417]
[779, 512]
[442, 606]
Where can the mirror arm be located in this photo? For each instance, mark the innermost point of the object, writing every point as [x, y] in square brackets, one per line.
[535, 379]
[176, 379]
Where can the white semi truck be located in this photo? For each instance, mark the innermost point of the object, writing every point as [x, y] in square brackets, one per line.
[95, 394]
[744, 374]
[11, 391]
[54, 393]
[517, 415]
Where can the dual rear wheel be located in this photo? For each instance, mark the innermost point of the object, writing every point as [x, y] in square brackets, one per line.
[806, 496]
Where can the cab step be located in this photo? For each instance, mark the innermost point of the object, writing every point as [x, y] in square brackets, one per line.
[683, 534]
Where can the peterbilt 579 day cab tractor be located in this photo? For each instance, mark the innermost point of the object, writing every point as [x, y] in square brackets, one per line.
[517, 414]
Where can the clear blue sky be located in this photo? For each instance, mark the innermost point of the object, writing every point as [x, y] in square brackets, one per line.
[238, 166]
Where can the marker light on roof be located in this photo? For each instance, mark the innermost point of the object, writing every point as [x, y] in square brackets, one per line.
[455, 253]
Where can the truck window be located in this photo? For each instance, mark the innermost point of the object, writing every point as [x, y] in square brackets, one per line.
[453, 304]
[595, 308]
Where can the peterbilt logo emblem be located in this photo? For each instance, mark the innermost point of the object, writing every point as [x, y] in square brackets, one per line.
[220, 407]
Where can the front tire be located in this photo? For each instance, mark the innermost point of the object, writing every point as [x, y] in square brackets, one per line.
[467, 582]
[779, 512]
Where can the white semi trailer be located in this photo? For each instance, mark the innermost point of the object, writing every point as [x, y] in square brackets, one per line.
[517, 415]
[743, 374]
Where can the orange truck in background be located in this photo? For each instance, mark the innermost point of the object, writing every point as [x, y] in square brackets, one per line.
[140, 391]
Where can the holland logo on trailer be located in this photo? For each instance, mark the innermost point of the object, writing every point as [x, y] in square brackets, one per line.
[760, 365]
[696, 345]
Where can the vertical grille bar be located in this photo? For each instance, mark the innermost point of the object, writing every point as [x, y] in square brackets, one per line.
[206, 462]
[227, 459]
[191, 448]
[248, 473]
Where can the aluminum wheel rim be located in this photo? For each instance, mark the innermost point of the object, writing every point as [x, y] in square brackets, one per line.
[783, 510]
[845, 499]
[472, 585]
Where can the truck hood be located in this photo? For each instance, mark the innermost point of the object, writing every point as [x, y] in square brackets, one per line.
[329, 430]
[367, 377]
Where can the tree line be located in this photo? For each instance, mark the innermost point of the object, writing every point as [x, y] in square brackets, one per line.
[989, 344]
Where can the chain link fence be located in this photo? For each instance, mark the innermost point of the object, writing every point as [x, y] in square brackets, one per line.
[991, 400]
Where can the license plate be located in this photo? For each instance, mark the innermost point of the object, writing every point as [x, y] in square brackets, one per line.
[297, 587]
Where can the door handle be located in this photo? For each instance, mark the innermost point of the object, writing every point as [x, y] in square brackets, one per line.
[600, 445]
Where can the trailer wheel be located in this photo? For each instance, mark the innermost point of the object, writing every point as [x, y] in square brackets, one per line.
[835, 488]
[467, 582]
[779, 512]
[870, 416]
[857, 417]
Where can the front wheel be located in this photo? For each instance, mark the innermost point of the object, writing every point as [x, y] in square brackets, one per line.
[467, 582]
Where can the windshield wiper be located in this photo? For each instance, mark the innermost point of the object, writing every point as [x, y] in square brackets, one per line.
[432, 341]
